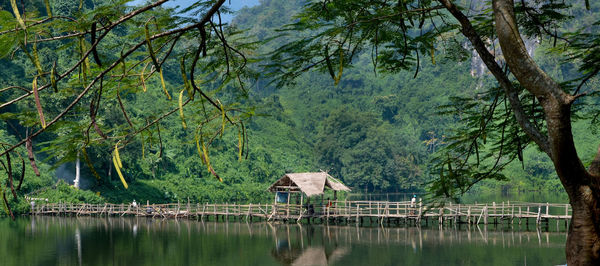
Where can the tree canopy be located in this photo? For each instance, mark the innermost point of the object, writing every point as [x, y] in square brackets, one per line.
[99, 79]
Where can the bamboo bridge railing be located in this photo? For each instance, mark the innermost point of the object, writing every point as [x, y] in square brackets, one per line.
[382, 212]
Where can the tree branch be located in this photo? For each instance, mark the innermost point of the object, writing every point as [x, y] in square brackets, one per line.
[556, 102]
[513, 95]
[204, 20]
[527, 72]
[119, 21]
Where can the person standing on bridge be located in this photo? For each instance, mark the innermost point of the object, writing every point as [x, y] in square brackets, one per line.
[413, 203]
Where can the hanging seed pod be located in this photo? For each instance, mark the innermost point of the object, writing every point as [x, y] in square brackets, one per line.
[520, 152]
[89, 163]
[29, 147]
[117, 168]
[328, 62]
[53, 77]
[186, 82]
[143, 148]
[94, 50]
[205, 154]
[6, 206]
[143, 79]
[123, 65]
[5, 203]
[432, 52]
[160, 152]
[477, 152]
[587, 5]
[96, 127]
[155, 61]
[162, 82]
[339, 77]
[150, 50]
[239, 145]
[10, 175]
[84, 65]
[38, 105]
[181, 109]
[13, 4]
[204, 157]
[245, 140]
[222, 117]
[482, 128]
[117, 155]
[22, 173]
[48, 10]
[212, 171]
[200, 153]
[36, 60]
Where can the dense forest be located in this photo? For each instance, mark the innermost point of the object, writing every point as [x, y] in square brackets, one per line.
[376, 132]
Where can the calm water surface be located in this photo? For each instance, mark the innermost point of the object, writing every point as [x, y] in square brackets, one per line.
[141, 241]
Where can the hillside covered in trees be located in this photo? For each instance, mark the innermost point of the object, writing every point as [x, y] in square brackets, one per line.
[376, 132]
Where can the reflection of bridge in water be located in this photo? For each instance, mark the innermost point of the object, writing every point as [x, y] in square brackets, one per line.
[304, 236]
[338, 212]
[81, 240]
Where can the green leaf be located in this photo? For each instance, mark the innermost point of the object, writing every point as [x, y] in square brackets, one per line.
[7, 44]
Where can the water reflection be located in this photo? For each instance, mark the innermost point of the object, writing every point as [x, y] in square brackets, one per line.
[309, 256]
[142, 241]
[295, 253]
[327, 245]
[78, 242]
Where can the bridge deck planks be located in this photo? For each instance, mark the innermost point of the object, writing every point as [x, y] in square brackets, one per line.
[340, 211]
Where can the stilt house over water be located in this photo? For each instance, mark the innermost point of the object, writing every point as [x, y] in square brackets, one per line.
[309, 184]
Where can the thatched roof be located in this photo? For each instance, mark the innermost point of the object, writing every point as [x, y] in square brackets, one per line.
[309, 183]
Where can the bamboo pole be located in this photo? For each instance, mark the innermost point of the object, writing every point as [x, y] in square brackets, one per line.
[469, 215]
[539, 215]
[485, 217]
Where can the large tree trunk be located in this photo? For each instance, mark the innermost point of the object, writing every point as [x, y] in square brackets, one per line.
[583, 244]
[583, 187]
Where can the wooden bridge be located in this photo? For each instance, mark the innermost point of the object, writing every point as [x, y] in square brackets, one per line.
[339, 212]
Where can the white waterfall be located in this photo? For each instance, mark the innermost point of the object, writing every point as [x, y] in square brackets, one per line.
[77, 168]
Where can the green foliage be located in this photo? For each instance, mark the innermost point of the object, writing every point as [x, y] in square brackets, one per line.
[377, 133]
[63, 192]
[364, 151]
[482, 137]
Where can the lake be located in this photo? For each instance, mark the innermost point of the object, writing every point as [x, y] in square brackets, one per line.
[145, 241]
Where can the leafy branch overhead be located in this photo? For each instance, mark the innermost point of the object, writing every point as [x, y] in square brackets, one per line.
[497, 124]
[529, 105]
[129, 47]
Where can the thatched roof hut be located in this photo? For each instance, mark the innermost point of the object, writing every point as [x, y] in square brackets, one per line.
[309, 183]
